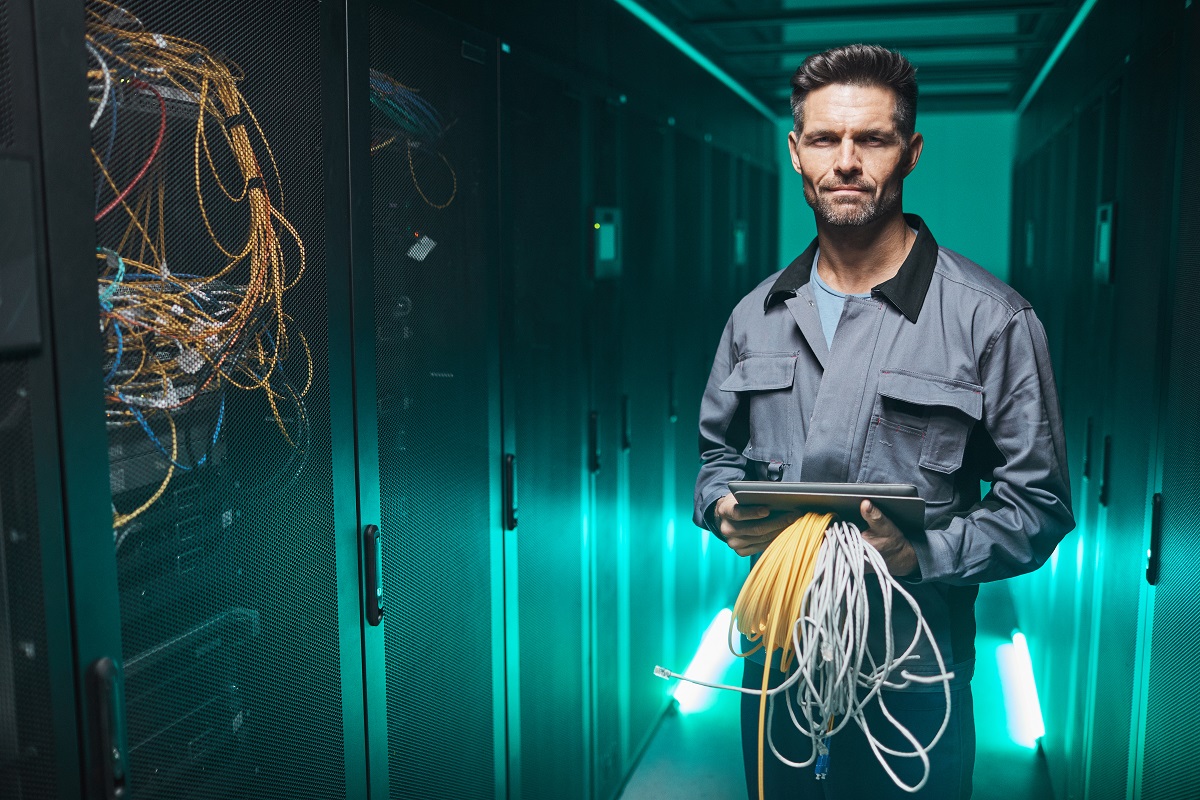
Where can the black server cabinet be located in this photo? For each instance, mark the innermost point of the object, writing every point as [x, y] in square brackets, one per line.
[609, 520]
[218, 204]
[1164, 699]
[647, 373]
[38, 726]
[432, 286]
[547, 424]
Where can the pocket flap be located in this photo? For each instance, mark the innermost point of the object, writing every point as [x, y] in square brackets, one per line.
[761, 373]
[929, 390]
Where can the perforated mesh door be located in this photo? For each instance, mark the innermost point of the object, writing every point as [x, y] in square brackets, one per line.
[6, 88]
[28, 769]
[435, 279]
[546, 371]
[210, 251]
[1173, 707]
[27, 742]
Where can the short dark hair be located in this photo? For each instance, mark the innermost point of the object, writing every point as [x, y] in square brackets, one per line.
[860, 65]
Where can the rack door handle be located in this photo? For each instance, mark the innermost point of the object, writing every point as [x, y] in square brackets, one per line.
[594, 442]
[509, 489]
[672, 406]
[109, 771]
[1087, 451]
[626, 433]
[373, 562]
[1152, 558]
[1105, 471]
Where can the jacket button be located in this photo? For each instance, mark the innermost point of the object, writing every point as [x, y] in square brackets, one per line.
[775, 470]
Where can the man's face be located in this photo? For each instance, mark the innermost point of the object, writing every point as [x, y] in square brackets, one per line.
[850, 154]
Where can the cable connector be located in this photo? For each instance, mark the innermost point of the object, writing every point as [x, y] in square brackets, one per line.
[663, 673]
[822, 767]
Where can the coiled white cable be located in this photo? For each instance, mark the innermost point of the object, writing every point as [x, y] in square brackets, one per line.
[836, 675]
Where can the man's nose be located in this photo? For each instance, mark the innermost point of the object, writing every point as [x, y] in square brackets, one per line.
[847, 160]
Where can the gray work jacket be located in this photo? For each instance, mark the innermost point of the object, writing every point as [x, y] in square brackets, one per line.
[941, 379]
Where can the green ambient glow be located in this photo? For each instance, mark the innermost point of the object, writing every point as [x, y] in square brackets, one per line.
[659, 27]
[1021, 705]
[1072, 29]
[711, 662]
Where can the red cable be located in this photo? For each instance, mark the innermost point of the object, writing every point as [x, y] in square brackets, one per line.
[162, 132]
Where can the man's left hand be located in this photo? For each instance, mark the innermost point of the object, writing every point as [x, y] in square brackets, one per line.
[884, 536]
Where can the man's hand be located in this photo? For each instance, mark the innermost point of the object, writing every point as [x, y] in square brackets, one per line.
[749, 529]
[884, 536]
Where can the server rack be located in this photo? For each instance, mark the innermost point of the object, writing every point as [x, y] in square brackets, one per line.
[38, 716]
[649, 435]
[432, 291]
[1104, 639]
[546, 429]
[1168, 594]
[218, 299]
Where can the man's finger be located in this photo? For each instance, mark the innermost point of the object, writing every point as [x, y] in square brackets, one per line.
[740, 512]
[876, 519]
[759, 528]
[744, 547]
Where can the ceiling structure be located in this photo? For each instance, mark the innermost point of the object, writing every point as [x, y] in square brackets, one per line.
[971, 55]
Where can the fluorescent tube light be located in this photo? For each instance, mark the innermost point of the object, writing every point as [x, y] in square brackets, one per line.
[661, 28]
[1021, 705]
[711, 662]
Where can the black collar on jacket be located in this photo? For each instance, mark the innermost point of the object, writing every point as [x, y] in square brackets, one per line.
[906, 289]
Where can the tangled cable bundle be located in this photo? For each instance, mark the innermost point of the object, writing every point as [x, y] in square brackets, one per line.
[172, 337]
[807, 598]
[417, 120]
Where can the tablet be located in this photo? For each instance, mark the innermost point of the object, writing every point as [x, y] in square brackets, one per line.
[899, 501]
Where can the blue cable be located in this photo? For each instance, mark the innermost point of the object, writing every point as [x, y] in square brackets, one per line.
[112, 287]
[120, 345]
[158, 443]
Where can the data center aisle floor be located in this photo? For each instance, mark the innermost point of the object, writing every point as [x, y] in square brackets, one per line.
[696, 756]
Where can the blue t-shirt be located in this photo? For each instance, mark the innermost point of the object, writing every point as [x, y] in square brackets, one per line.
[829, 302]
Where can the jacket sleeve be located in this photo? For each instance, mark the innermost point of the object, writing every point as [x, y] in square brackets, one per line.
[724, 432]
[1016, 527]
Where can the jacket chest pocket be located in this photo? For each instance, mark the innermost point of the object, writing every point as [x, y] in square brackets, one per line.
[764, 385]
[919, 431]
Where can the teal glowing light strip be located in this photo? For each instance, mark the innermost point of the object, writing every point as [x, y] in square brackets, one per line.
[713, 658]
[1021, 705]
[659, 27]
[1072, 29]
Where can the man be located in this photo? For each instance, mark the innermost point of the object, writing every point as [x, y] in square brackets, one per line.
[878, 357]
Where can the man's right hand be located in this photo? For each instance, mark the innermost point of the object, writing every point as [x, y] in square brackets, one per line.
[749, 529]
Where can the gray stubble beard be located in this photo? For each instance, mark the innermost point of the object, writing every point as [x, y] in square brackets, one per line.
[852, 215]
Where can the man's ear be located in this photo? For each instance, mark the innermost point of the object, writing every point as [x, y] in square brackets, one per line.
[915, 145]
[793, 144]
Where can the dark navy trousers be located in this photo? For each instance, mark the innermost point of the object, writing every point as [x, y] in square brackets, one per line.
[854, 772]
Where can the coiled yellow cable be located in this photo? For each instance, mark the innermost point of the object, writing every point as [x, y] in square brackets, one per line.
[772, 598]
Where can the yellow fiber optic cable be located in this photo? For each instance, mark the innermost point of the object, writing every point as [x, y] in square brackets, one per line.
[772, 599]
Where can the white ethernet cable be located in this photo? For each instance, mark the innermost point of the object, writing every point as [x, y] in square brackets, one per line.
[836, 675]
